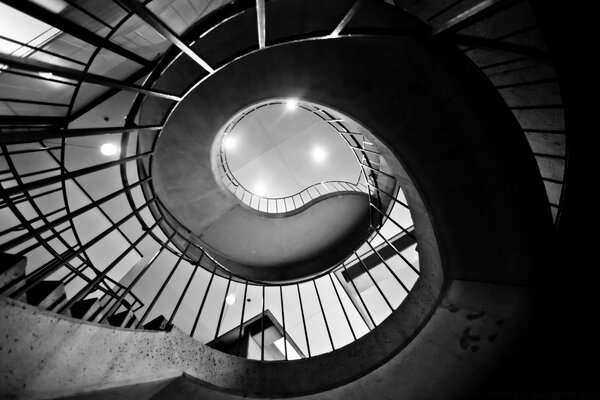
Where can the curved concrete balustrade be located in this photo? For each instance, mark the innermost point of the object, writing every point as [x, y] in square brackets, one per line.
[206, 203]
[283, 249]
[249, 243]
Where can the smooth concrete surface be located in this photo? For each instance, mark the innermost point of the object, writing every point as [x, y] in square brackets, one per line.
[297, 246]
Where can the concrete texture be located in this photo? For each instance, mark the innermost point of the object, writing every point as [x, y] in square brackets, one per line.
[11, 268]
[472, 325]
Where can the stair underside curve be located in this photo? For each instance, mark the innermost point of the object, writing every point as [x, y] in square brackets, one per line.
[252, 244]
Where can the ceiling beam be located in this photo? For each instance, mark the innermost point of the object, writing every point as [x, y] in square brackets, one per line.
[72, 28]
[346, 18]
[495, 44]
[27, 136]
[20, 120]
[29, 64]
[479, 12]
[159, 26]
[8, 192]
[260, 23]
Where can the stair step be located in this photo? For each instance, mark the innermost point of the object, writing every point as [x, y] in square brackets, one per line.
[12, 267]
[159, 323]
[85, 309]
[121, 319]
[46, 294]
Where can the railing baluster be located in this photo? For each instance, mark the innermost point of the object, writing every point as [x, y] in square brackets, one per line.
[223, 307]
[203, 301]
[162, 287]
[262, 327]
[374, 281]
[342, 306]
[187, 285]
[360, 298]
[239, 343]
[324, 316]
[283, 322]
[303, 320]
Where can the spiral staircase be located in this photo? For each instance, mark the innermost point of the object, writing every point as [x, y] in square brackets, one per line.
[115, 275]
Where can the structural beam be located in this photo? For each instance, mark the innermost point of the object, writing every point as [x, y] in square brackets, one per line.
[494, 44]
[26, 136]
[260, 23]
[29, 64]
[159, 26]
[19, 120]
[347, 18]
[477, 13]
[6, 193]
[72, 28]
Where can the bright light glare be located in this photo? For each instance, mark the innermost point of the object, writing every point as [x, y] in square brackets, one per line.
[45, 75]
[291, 352]
[319, 154]
[259, 189]
[229, 142]
[108, 149]
[291, 104]
[230, 299]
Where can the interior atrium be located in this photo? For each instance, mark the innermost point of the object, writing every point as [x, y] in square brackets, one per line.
[350, 199]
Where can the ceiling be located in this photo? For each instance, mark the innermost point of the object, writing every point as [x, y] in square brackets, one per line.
[276, 151]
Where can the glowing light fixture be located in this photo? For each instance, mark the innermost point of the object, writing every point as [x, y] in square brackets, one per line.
[319, 154]
[45, 75]
[230, 299]
[109, 149]
[291, 104]
[259, 189]
[229, 142]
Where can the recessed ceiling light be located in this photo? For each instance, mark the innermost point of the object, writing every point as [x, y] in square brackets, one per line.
[109, 149]
[291, 104]
[230, 299]
[319, 154]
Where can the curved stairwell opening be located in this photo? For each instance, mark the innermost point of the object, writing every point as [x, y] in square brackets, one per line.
[156, 267]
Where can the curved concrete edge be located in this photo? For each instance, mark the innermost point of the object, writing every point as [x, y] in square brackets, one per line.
[45, 355]
[295, 247]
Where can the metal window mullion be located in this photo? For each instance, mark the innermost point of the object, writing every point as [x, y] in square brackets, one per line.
[94, 204]
[100, 278]
[119, 301]
[162, 288]
[102, 235]
[70, 175]
[185, 289]
[203, 301]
